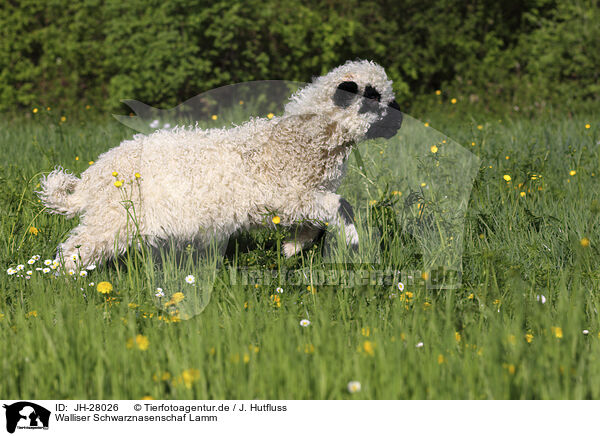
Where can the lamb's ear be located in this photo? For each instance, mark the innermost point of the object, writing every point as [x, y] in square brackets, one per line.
[345, 93]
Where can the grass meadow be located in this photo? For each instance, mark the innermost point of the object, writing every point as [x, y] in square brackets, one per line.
[522, 324]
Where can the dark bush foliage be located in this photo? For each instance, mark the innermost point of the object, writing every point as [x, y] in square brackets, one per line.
[69, 53]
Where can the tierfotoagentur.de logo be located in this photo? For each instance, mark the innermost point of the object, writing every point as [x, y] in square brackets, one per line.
[25, 415]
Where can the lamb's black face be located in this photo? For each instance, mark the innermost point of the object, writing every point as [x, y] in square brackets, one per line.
[389, 116]
[388, 124]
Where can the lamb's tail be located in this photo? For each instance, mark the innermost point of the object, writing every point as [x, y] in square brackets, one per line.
[56, 192]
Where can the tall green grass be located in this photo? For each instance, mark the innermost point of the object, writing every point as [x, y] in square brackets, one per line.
[60, 338]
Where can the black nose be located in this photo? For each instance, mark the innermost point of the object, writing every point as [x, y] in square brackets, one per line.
[388, 125]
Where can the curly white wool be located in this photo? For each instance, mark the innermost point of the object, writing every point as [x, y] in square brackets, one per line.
[198, 184]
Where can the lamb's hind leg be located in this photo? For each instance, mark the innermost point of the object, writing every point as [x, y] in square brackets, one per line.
[90, 243]
[81, 249]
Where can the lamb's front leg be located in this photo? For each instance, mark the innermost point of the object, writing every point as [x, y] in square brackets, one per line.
[329, 208]
[302, 237]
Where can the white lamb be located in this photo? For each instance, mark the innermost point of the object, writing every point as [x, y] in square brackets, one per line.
[190, 185]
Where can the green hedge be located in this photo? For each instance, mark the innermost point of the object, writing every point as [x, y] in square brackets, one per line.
[69, 53]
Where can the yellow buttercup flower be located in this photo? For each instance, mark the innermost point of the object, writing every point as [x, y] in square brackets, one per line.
[557, 331]
[369, 348]
[63, 119]
[434, 149]
[276, 300]
[189, 376]
[587, 126]
[270, 116]
[572, 172]
[104, 287]
[438, 92]
[35, 110]
[529, 338]
[33, 230]
[506, 177]
[276, 220]
[137, 175]
[115, 174]
[118, 183]
[453, 101]
[177, 297]
[214, 117]
[140, 341]
[91, 162]
[585, 242]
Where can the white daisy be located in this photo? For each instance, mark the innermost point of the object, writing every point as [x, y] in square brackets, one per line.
[90, 267]
[83, 273]
[71, 272]
[11, 271]
[190, 279]
[154, 124]
[47, 262]
[420, 345]
[29, 272]
[586, 332]
[354, 387]
[36, 257]
[279, 290]
[46, 270]
[91, 284]
[166, 126]
[31, 261]
[20, 267]
[39, 268]
[400, 286]
[305, 323]
[159, 293]
[541, 299]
